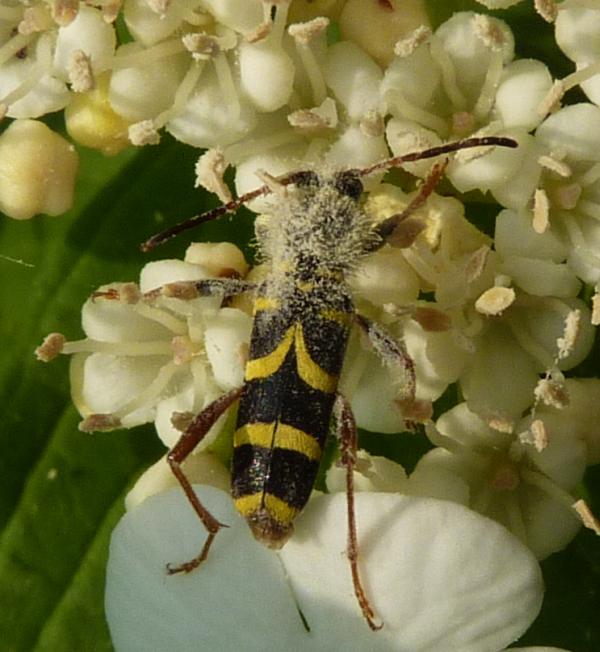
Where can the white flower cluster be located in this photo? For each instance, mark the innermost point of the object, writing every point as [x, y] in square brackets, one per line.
[500, 318]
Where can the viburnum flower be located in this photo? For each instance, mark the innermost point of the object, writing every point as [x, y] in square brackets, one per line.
[463, 80]
[576, 28]
[48, 54]
[147, 357]
[520, 478]
[569, 190]
[483, 587]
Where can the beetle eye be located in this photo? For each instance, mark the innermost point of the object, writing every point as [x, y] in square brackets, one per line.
[347, 183]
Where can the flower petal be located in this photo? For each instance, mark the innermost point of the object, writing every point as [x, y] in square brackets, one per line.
[439, 576]
[482, 588]
[238, 600]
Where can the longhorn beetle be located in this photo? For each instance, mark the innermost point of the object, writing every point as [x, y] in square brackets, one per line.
[303, 313]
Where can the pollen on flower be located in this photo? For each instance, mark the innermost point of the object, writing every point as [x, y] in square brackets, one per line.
[547, 9]
[406, 46]
[51, 347]
[210, 168]
[541, 211]
[489, 31]
[540, 435]
[100, 423]
[495, 300]
[143, 133]
[79, 70]
[586, 516]
[567, 342]
[64, 12]
[303, 33]
[552, 392]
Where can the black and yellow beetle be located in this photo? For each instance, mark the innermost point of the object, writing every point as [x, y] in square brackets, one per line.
[303, 313]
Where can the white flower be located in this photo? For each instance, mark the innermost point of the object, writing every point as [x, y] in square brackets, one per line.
[518, 480]
[462, 80]
[40, 58]
[439, 576]
[146, 357]
[576, 33]
[571, 185]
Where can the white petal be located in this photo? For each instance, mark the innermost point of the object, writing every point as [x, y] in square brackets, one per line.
[515, 236]
[142, 92]
[541, 277]
[482, 590]
[437, 475]
[266, 74]
[580, 418]
[591, 87]
[226, 337]
[546, 326]
[470, 56]
[354, 78]
[354, 148]
[114, 321]
[577, 30]
[438, 359]
[90, 33]
[501, 378]
[538, 649]
[404, 136]
[202, 125]
[48, 95]
[414, 78]
[440, 577]
[240, 15]
[112, 381]
[238, 600]
[498, 4]
[525, 83]
[204, 468]
[385, 277]
[373, 401]
[574, 130]
[149, 26]
[372, 473]
[161, 272]
[499, 171]
[550, 526]
[466, 427]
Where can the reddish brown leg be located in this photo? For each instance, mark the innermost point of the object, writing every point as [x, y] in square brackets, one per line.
[346, 430]
[387, 227]
[194, 434]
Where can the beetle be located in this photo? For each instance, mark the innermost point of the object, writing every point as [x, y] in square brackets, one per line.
[303, 313]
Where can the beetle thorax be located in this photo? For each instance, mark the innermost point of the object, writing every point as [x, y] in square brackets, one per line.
[316, 227]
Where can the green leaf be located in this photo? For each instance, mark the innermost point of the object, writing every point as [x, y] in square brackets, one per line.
[61, 490]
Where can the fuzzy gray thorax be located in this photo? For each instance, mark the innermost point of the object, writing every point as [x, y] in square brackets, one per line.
[316, 231]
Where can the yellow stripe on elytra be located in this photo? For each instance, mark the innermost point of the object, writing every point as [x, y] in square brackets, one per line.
[278, 509]
[266, 303]
[278, 435]
[309, 370]
[338, 316]
[270, 363]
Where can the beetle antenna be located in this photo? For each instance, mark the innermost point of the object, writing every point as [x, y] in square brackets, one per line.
[208, 216]
[448, 148]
